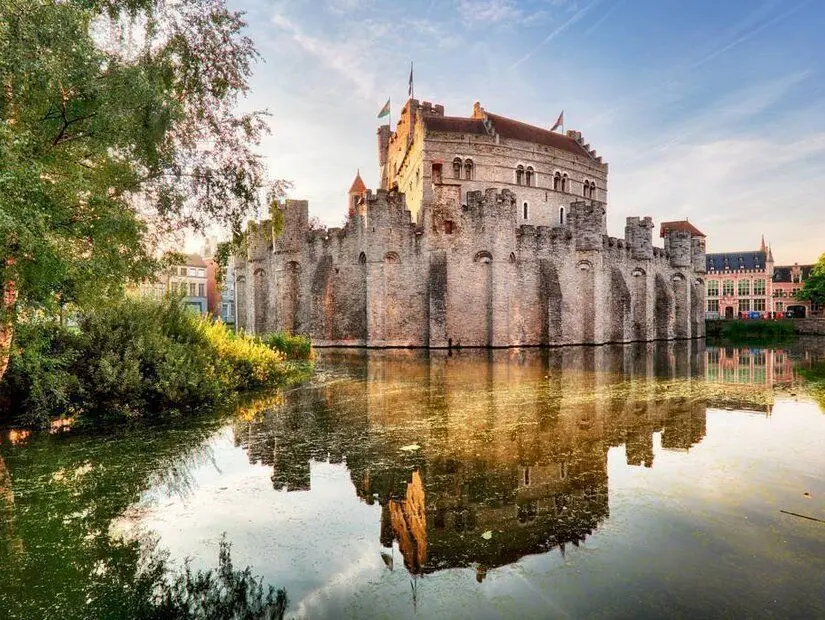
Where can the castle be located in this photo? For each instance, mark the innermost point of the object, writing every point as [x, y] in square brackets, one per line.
[486, 232]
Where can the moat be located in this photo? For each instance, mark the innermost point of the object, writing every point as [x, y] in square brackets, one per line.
[643, 480]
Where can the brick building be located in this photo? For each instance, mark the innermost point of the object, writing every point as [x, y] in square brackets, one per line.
[486, 231]
[749, 285]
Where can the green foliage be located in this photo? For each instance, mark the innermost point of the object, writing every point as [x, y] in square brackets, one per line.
[136, 359]
[294, 347]
[814, 287]
[115, 115]
[815, 379]
[758, 331]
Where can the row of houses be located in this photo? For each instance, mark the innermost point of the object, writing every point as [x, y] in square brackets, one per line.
[748, 284]
[195, 279]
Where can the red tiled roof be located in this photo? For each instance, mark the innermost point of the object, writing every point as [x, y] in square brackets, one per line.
[454, 124]
[516, 130]
[358, 186]
[195, 260]
[681, 225]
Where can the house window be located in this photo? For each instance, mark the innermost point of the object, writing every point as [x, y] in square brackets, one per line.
[201, 292]
[744, 305]
[519, 175]
[744, 287]
[448, 227]
[436, 173]
[713, 288]
[525, 210]
[727, 287]
[779, 306]
[191, 289]
[468, 169]
[758, 287]
[713, 305]
[457, 168]
[561, 216]
[557, 181]
[759, 305]
[529, 175]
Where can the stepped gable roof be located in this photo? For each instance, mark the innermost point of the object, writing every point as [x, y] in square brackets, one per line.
[358, 186]
[680, 225]
[784, 272]
[516, 130]
[734, 261]
[455, 124]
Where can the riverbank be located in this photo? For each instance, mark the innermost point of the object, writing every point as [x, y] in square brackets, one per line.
[140, 360]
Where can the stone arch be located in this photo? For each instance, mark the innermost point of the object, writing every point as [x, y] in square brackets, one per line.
[323, 300]
[638, 296]
[482, 280]
[550, 302]
[620, 308]
[291, 297]
[682, 306]
[483, 257]
[260, 302]
[663, 307]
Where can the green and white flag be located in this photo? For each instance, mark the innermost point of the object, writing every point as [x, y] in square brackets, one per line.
[385, 111]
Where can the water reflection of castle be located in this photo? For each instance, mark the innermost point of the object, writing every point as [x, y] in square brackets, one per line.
[508, 443]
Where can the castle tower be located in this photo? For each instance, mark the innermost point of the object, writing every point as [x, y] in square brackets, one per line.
[356, 192]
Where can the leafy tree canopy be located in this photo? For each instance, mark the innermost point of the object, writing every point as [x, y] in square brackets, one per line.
[118, 124]
[814, 287]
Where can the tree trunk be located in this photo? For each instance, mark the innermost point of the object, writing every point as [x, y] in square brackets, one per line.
[6, 324]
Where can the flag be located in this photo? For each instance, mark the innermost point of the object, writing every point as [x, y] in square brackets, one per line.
[559, 122]
[410, 90]
[385, 111]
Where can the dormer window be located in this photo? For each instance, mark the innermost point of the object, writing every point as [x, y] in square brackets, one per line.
[519, 175]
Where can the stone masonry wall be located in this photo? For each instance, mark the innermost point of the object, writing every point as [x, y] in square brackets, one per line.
[470, 274]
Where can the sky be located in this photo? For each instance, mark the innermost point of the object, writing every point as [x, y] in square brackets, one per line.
[707, 110]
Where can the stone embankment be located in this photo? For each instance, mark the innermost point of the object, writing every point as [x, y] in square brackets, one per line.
[810, 327]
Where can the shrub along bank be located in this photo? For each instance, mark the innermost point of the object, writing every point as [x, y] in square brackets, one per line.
[752, 330]
[139, 359]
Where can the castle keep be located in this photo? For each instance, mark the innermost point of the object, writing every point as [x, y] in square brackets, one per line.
[486, 232]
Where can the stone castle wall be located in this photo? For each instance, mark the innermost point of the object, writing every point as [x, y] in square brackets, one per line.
[471, 274]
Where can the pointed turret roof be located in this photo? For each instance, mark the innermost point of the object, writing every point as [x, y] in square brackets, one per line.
[763, 247]
[358, 186]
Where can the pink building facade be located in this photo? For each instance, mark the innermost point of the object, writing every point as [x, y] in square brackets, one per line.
[749, 285]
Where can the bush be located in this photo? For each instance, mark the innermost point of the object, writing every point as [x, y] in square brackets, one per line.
[134, 359]
[758, 330]
[294, 347]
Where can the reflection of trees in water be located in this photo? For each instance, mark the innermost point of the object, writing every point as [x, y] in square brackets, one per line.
[68, 493]
[512, 442]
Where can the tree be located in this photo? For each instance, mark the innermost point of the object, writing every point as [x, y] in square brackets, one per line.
[814, 287]
[118, 125]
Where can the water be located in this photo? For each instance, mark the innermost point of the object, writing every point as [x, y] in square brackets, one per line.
[643, 480]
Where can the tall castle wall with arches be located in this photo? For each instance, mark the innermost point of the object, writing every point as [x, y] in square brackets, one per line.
[485, 232]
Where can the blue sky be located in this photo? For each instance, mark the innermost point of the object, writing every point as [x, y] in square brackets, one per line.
[712, 110]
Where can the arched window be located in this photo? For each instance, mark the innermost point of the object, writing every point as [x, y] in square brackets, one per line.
[468, 169]
[564, 182]
[592, 190]
[526, 210]
[391, 257]
[519, 175]
[529, 176]
[557, 181]
[483, 257]
[586, 189]
[457, 168]
[561, 216]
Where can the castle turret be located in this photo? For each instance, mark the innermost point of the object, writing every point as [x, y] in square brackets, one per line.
[697, 254]
[638, 233]
[356, 192]
[587, 219]
[384, 132]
